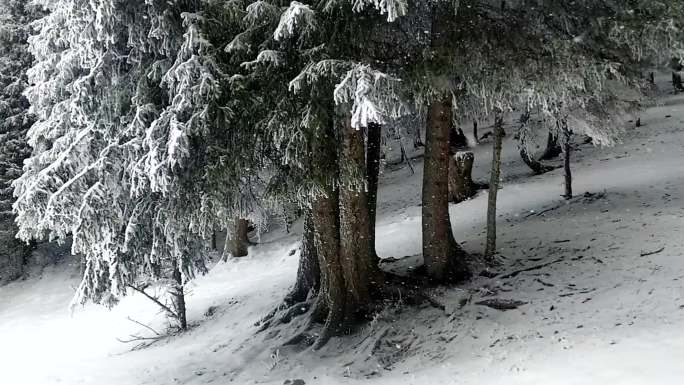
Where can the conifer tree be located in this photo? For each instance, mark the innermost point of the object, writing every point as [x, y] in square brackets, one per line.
[124, 104]
[328, 99]
[15, 120]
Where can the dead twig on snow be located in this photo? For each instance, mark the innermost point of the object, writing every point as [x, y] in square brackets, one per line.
[647, 253]
[537, 267]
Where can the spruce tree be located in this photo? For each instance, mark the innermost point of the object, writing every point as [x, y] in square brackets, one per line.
[124, 104]
[15, 120]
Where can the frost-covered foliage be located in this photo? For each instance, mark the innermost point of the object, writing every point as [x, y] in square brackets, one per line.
[15, 120]
[392, 8]
[124, 93]
[298, 18]
[373, 96]
[580, 64]
[312, 67]
[159, 122]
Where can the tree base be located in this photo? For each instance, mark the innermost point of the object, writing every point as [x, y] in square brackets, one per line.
[409, 290]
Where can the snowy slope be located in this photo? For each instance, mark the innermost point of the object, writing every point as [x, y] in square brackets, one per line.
[598, 313]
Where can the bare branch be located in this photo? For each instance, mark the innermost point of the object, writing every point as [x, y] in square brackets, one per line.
[136, 338]
[155, 300]
[143, 325]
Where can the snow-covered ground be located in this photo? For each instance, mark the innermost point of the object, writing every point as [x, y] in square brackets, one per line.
[599, 312]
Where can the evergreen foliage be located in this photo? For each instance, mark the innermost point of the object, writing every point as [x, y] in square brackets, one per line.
[159, 122]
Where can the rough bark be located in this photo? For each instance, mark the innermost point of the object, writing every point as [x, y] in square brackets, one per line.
[553, 149]
[567, 152]
[373, 150]
[177, 292]
[461, 185]
[359, 263]
[239, 240]
[309, 271]
[327, 236]
[490, 249]
[536, 166]
[331, 305]
[444, 259]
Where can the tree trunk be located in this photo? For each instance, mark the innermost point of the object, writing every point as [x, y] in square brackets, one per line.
[536, 166]
[477, 138]
[553, 149]
[239, 240]
[359, 263]
[327, 236]
[490, 249]
[332, 302]
[417, 139]
[461, 185]
[677, 82]
[567, 151]
[309, 271]
[177, 292]
[457, 139]
[372, 177]
[444, 259]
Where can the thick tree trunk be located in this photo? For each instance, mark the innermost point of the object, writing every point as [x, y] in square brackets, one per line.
[567, 152]
[327, 236]
[461, 185]
[553, 149]
[309, 271]
[332, 302]
[536, 166]
[177, 292]
[444, 259]
[372, 177]
[239, 240]
[359, 262]
[490, 249]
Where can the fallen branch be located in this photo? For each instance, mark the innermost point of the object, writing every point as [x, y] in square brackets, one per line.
[136, 338]
[537, 267]
[647, 253]
[501, 304]
[543, 211]
[547, 284]
[143, 325]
